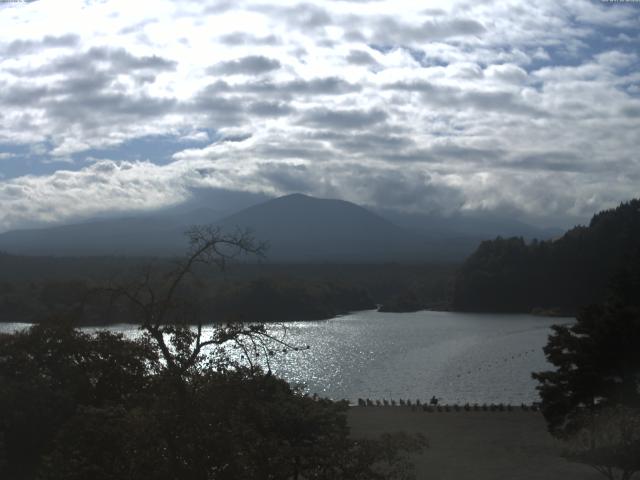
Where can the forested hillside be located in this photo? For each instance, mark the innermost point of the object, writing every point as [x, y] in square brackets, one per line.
[555, 276]
[33, 288]
[260, 300]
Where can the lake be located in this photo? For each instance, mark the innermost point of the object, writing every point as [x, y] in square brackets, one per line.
[458, 357]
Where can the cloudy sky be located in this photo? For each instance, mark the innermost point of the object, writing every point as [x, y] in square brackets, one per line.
[529, 109]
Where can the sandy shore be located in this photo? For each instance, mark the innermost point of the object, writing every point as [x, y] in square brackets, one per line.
[475, 445]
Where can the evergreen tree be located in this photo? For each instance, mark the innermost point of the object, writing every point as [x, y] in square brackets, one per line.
[592, 398]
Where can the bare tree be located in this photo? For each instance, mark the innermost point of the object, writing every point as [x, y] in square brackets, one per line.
[165, 313]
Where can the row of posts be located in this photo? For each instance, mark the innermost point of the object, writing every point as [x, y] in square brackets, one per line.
[434, 406]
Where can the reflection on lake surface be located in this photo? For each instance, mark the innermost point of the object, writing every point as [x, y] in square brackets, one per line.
[457, 357]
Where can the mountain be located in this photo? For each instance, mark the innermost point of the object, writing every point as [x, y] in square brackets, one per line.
[559, 275]
[153, 235]
[298, 228]
[301, 228]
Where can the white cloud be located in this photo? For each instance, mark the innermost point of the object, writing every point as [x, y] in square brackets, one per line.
[507, 73]
[527, 107]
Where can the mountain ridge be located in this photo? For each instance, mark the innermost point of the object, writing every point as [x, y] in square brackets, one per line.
[303, 228]
[299, 227]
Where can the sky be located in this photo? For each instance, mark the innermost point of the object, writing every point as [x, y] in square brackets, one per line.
[523, 109]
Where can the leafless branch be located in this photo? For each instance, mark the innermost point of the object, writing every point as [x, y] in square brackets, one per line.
[156, 299]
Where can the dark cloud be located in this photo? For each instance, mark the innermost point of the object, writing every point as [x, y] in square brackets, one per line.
[22, 47]
[106, 59]
[287, 178]
[270, 109]
[304, 17]
[409, 156]
[251, 65]
[92, 95]
[319, 86]
[420, 86]
[348, 119]
[217, 87]
[434, 12]
[293, 148]
[554, 162]
[103, 108]
[219, 6]
[121, 60]
[243, 38]
[402, 33]
[240, 137]
[89, 97]
[308, 16]
[220, 109]
[449, 154]
[374, 144]
[454, 97]
[475, 155]
[632, 111]
[500, 102]
[395, 187]
[215, 106]
[353, 35]
[22, 96]
[417, 189]
[86, 83]
[360, 57]
[316, 86]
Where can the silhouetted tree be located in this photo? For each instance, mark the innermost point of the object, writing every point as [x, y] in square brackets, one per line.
[592, 399]
[597, 363]
[48, 371]
[165, 311]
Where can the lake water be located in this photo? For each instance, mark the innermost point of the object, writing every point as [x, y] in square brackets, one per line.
[458, 357]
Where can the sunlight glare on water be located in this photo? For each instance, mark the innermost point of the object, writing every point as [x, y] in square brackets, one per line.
[458, 357]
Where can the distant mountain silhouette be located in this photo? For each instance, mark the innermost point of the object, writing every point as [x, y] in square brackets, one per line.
[302, 228]
[154, 235]
[298, 228]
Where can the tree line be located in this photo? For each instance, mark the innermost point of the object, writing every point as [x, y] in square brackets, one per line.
[555, 276]
[591, 399]
[265, 299]
[249, 290]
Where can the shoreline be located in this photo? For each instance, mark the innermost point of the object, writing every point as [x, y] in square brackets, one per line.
[426, 406]
[324, 319]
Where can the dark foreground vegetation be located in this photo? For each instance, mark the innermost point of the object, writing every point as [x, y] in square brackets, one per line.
[175, 404]
[550, 277]
[259, 300]
[76, 406]
[592, 398]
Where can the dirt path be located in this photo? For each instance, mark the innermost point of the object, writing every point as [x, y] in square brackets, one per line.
[475, 445]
